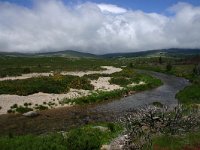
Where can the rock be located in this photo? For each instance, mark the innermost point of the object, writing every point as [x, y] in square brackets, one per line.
[105, 147]
[103, 129]
[145, 128]
[31, 114]
[86, 120]
[125, 95]
[156, 118]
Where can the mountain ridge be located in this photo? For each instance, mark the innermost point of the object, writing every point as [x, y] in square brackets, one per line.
[173, 52]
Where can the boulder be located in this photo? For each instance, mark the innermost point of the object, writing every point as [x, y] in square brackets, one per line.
[31, 114]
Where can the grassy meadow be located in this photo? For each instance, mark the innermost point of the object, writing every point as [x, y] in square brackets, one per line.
[15, 66]
[88, 137]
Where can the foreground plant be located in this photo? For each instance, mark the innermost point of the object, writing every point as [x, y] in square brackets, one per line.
[143, 124]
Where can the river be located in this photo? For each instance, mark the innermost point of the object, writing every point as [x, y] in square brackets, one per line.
[67, 118]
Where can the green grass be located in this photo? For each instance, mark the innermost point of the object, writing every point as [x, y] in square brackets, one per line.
[190, 95]
[83, 138]
[15, 66]
[54, 84]
[125, 77]
[177, 142]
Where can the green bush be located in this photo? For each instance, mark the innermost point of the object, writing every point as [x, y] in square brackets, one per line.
[80, 139]
[41, 107]
[190, 94]
[32, 142]
[168, 67]
[120, 81]
[54, 84]
[111, 127]
[157, 104]
[21, 109]
[177, 142]
[83, 138]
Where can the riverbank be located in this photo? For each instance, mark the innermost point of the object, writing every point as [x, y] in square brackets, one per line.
[66, 118]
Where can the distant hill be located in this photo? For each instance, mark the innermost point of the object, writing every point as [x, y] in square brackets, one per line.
[66, 53]
[152, 53]
[174, 52]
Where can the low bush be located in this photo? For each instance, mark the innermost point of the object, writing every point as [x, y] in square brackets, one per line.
[41, 107]
[158, 104]
[80, 139]
[83, 138]
[187, 141]
[120, 81]
[95, 76]
[52, 84]
[144, 124]
[21, 109]
[33, 142]
[189, 95]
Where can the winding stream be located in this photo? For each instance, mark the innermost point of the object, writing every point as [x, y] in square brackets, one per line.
[66, 118]
[164, 94]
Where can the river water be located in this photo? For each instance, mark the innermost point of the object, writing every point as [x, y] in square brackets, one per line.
[164, 94]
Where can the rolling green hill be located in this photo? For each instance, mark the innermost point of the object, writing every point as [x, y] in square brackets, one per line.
[148, 53]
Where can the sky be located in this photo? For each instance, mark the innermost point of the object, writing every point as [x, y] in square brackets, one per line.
[98, 26]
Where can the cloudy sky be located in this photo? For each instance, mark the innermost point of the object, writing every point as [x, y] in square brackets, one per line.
[98, 26]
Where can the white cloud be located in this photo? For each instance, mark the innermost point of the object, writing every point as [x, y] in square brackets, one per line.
[111, 8]
[52, 26]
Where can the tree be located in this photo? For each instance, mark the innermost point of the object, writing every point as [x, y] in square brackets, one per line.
[160, 60]
[131, 65]
[26, 70]
[168, 67]
[196, 69]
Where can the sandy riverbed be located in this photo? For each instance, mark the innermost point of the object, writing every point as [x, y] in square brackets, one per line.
[6, 101]
[108, 70]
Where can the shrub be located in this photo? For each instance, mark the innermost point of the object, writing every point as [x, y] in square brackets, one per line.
[26, 104]
[196, 69]
[14, 106]
[33, 142]
[41, 107]
[120, 81]
[157, 104]
[147, 122]
[10, 111]
[57, 84]
[189, 95]
[23, 109]
[26, 70]
[168, 67]
[84, 139]
[111, 126]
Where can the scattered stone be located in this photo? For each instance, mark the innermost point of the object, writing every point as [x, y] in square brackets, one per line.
[103, 129]
[145, 128]
[31, 114]
[105, 147]
[156, 118]
[117, 143]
